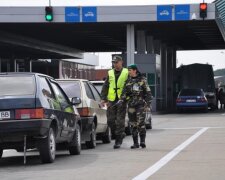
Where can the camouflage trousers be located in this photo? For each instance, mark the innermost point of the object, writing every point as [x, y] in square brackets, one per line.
[137, 120]
[116, 118]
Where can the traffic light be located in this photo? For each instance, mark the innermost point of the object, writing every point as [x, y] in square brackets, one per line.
[203, 10]
[48, 13]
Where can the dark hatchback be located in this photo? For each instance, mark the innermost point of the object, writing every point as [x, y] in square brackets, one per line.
[191, 99]
[34, 109]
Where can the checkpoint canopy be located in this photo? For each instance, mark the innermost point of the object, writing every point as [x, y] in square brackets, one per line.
[74, 30]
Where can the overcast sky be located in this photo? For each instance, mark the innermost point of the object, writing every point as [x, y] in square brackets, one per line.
[216, 58]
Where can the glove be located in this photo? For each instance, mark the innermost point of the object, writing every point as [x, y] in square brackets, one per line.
[148, 108]
[119, 103]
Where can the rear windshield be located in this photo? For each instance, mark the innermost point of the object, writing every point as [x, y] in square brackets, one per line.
[98, 87]
[72, 89]
[191, 92]
[17, 85]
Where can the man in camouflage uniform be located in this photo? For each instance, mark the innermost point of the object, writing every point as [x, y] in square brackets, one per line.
[110, 94]
[139, 99]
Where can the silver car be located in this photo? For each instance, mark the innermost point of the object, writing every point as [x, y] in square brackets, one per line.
[93, 115]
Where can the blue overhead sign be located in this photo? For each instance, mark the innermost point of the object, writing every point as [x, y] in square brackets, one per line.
[72, 14]
[89, 14]
[164, 13]
[182, 12]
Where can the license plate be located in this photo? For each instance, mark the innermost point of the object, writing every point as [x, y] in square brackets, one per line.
[190, 100]
[4, 114]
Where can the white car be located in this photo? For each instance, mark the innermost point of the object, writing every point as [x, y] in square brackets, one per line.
[148, 115]
[93, 115]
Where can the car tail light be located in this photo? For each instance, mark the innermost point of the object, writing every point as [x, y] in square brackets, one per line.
[83, 111]
[30, 113]
[202, 99]
[179, 100]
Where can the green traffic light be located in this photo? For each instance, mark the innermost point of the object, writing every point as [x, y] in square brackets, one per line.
[48, 13]
[49, 17]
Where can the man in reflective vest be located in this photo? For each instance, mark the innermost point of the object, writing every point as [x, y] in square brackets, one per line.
[111, 92]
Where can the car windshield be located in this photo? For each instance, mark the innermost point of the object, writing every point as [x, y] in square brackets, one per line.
[72, 89]
[17, 85]
[191, 92]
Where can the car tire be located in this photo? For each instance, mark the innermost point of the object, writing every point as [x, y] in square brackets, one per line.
[75, 145]
[47, 147]
[106, 138]
[179, 110]
[92, 143]
[128, 130]
[1, 153]
[148, 126]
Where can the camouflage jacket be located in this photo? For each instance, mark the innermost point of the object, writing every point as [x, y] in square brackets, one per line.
[137, 91]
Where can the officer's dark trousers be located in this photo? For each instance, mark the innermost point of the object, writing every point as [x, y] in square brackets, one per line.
[137, 120]
[116, 118]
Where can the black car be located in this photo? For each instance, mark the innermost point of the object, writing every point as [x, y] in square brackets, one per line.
[34, 109]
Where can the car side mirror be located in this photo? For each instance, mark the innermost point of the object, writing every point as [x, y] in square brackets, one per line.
[75, 100]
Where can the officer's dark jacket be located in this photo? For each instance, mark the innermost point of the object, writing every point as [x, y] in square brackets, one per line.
[136, 91]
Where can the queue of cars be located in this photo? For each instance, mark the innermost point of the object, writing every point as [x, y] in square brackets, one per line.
[39, 112]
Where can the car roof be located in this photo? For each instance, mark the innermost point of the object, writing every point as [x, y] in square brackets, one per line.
[191, 89]
[24, 73]
[71, 80]
[97, 82]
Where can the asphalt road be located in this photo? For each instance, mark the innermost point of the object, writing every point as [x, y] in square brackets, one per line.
[180, 146]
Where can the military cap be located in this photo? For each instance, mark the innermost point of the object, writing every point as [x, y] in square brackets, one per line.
[132, 66]
[117, 58]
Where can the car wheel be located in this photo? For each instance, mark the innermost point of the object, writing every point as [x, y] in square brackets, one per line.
[107, 136]
[75, 145]
[47, 147]
[148, 126]
[1, 152]
[92, 143]
[179, 110]
[128, 130]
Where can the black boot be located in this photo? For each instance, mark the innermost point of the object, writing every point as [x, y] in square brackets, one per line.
[136, 144]
[118, 142]
[142, 144]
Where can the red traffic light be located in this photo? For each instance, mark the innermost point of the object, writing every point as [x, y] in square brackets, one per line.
[203, 6]
[203, 10]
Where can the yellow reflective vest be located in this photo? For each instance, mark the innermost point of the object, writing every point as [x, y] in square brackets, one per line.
[116, 88]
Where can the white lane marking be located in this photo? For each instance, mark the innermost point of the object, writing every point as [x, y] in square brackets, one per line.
[186, 128]
[163, 161]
